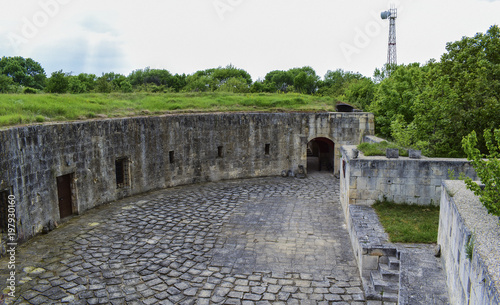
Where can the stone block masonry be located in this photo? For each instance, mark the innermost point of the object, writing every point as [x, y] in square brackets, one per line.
[364, 180]
[464, 225]
[67, 168]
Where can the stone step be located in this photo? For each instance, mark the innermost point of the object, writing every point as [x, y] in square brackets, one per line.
[387, 273]
[383, 286]
[393, 263]
[390, 297]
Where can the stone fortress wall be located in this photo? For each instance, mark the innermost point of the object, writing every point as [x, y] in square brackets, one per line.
[424, 181]
[402, 180]
[89, 163]
[465, 225]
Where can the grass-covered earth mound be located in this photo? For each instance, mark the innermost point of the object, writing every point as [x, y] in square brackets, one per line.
[18, 109]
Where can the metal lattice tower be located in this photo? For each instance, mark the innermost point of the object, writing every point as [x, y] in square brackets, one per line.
[391, 14]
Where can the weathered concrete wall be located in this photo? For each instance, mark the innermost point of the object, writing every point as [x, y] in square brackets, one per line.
[461, 217]
[365, 180]
[204, 147]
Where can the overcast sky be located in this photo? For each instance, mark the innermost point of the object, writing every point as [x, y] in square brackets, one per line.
[184, 36]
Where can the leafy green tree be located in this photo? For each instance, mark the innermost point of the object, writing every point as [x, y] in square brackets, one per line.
[6, 84]
[395, 97]
[178, 82]
[235, 85]
[82, 83]
[146, 77]
[473, 67]
[75, 86]
[199, 83]
[336, 82]
[24, 72]
[360, 92]
[126, 86]
[487, 167]
[222, 75]
[305, 82]
[228, 78]
[434, 106]
[104, 84]
[89, 80]
[280, 80]
[58, 82]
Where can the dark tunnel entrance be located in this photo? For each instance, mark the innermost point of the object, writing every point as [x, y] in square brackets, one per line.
[320, 155]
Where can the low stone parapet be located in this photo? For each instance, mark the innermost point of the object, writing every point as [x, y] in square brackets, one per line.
[466, 228]
[377, 258]
[366, 179]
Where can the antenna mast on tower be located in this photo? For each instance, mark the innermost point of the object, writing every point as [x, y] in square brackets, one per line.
[391, 14]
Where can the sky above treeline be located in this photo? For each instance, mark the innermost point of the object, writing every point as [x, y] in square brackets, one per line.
[184, 36]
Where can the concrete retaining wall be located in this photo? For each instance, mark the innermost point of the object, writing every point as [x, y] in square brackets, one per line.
[156, 152]
[365, 180]
[462, 216]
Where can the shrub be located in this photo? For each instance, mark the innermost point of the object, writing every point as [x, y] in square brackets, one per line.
[487, 168]
[29, 90]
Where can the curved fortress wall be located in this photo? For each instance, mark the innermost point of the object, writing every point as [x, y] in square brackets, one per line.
[68, 168]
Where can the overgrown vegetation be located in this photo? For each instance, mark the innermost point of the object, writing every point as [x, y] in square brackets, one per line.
[487, 167]
[409, 223]
[24, 109]
[379, 149]
[429, 107]
[432, 107]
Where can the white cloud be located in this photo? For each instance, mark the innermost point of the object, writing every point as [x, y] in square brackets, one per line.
[259, 36]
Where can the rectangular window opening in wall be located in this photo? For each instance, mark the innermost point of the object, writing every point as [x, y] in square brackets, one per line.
[171, 156]
[122, 172]
[219, 152]
[4, 207]
[267, 149]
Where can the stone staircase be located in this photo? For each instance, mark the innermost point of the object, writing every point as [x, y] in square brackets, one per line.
[383, 283]
[379, 260]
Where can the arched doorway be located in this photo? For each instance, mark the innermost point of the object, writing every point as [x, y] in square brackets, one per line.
[320, 155]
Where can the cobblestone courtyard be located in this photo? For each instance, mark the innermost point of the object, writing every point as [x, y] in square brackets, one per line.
[255, 241]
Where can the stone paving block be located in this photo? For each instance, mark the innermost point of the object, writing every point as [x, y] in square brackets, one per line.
[254, 241]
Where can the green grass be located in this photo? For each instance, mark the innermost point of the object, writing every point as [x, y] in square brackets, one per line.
[18, 109]
[409, 223]
[378, 149]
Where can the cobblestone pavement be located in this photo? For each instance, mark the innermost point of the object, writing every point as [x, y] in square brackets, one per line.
[254, 241]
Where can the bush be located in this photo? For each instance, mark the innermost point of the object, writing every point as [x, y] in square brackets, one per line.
[29, 90]
[58, 82]
[487, 168]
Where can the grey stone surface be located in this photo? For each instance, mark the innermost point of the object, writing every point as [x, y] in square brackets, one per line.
[463, 218]
[414, 154]
[403, 180]
[392, 153]
[418, 274]
[158, 152]
[423, 280]
[249, 241]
